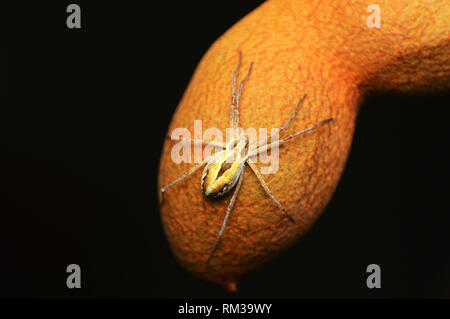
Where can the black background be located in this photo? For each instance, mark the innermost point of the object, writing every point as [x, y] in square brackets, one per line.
[82, 122]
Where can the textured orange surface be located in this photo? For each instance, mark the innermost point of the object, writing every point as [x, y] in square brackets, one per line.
[319, 47]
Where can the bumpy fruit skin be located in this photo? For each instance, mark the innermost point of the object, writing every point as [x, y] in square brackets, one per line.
[324, 49]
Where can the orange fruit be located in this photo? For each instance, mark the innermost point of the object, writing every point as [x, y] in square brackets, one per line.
[324, 49]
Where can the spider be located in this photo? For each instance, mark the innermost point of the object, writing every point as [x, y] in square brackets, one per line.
[224, 170]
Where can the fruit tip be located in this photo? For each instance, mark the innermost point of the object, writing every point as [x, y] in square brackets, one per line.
[230, 286]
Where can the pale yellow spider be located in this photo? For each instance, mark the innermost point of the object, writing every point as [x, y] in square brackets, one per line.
[224, 170]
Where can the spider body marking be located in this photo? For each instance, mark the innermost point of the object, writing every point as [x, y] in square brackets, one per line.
[222, 171]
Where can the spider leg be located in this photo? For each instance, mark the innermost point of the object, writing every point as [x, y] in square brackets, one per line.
[233, 95]
[266, 188]
[197, 141]
[227, 214]
[241, 85]
[299, 104]
[297, 109]
[189, 172]
[285, 139]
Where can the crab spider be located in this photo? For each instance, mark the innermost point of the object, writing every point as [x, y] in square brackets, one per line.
[224, 170]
